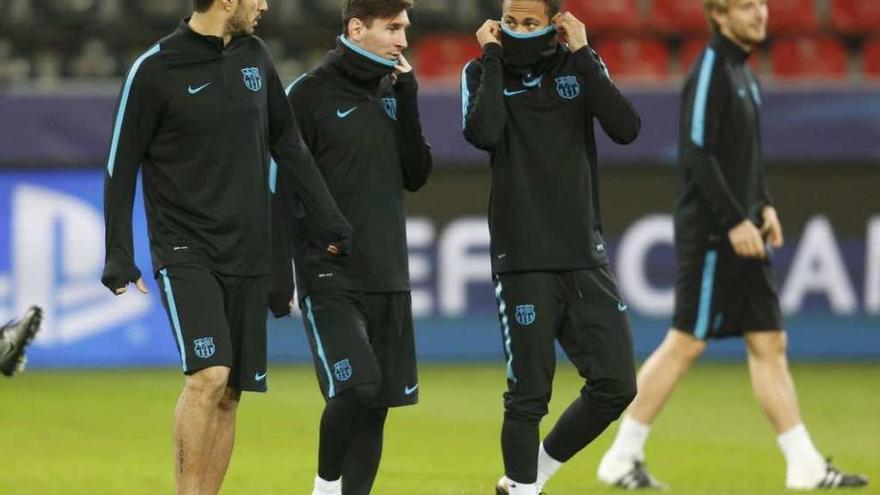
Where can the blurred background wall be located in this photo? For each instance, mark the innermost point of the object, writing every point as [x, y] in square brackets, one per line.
[61, 64]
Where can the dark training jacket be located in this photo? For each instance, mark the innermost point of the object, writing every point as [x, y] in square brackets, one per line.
[363, 128]
[201, 119]
[544, 210]
[721, 174]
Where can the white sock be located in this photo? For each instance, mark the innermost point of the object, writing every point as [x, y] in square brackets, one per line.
[324, 487]
[517, 488]
[630, 441]
[800, 453]
[547, 467]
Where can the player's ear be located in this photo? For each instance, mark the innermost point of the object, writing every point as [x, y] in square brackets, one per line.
[356, 30]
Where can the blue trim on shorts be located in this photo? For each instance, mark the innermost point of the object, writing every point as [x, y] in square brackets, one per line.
[172, 308]
[705, 308]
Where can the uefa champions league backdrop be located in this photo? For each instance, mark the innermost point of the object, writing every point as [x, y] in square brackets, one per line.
[52, 254]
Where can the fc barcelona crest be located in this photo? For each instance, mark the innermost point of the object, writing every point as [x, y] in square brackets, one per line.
[204, 347]
[525, 314]
[342, 370]
[568, 87]
[252, 78]
[390, 107]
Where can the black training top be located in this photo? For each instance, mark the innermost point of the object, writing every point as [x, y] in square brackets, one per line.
[544, 211]
[721, 176]
[201, 119]
[363, 128]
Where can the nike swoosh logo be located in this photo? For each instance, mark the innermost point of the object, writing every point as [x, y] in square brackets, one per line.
[621, 307]
[410, 390]
[514, 93]
[342, 115]
[193, 90]
[260, 377]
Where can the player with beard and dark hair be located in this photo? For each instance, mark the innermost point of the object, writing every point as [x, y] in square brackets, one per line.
[200, 113]
[531, 102]
[725, 227]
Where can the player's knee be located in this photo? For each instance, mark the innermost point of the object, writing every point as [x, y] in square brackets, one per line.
[209, 384]
[527, 410]
[611, 397]
[767, 345]
[684, 347]
[229, 402]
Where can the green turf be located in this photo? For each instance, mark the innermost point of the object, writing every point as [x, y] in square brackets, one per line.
[108, 432]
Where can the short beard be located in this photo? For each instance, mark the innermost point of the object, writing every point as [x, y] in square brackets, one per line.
[238, 24]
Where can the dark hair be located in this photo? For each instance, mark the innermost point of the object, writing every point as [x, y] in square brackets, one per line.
[553, 6]
[368, 10]
[202, 5]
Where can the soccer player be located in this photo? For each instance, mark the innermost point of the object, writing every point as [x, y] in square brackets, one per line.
[14, 339]
[358, 114]
[725, 284]
[531, 102]
[201, 112]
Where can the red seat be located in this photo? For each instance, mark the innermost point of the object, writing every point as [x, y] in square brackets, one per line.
[439, 58]
[693, 47]
[809, 58]
[677, 16]
[855, 16]
[793, 16]
[871, 58]
[606, 15]
[635, 58]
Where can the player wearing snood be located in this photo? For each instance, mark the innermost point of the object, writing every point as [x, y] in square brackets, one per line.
[531, 103]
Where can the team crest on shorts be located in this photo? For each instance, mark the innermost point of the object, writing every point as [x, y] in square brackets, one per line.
[252, 78]
[568, 87]
[342, 370]
[204, 347]
[525, 314]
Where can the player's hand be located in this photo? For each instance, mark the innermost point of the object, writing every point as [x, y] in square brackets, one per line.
[117, 276]
[571, 30]
[747, 241]
[772, 227]
[141, 286]
[489, 32]
[402, 66]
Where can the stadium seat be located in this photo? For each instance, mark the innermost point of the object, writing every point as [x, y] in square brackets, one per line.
[439, 58]
[69, 12]
[855, 16]
[871, 58]
[159, 12]
[793, 17]
[809, 58]
[677, 17]
[607, 15]
[635, 58]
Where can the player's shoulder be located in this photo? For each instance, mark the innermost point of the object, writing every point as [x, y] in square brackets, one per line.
[305, 84]
[709, 65]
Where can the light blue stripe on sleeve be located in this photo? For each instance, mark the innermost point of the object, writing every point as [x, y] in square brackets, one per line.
[331, 388]
[698, 122]
[273, 175]
[705, 308]
[123, 103]
[175, 320]
[465, 95]
[294, 83]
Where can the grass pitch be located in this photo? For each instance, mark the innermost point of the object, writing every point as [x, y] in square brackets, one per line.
[109, 432]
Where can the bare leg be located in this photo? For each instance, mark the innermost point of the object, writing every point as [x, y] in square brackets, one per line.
[771, 380]
[661, 373]
[196, 419]
[656, 381]
[221, 452]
